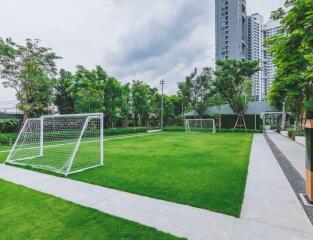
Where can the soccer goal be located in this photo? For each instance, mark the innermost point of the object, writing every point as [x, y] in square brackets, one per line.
[60, 143]
[200, 125]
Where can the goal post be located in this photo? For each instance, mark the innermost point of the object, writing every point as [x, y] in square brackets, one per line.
[200, 125]
[60, 143]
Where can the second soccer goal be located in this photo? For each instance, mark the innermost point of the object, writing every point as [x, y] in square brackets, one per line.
[63, 144]
[200, 125]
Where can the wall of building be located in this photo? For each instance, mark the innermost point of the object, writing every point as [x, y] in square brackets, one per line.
[269, 29]
[231, 22]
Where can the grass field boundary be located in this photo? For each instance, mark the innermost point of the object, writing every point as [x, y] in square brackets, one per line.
[105, 139]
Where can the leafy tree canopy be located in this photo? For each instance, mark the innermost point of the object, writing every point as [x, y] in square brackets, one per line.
[30, 69]
[292, 50]
[233, 82]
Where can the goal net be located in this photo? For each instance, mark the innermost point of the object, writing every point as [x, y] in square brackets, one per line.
[200, 125]
[60, 143]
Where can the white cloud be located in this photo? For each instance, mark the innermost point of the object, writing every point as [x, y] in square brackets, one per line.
[132, 39]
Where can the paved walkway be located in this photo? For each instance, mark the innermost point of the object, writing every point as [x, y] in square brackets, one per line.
[270, 208]
[293, 151]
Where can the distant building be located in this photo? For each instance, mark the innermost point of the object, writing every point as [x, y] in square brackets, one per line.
[255, 52]
[269, 29]
[230, 29]
[239, 37]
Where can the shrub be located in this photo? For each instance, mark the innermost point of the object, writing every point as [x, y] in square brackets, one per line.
[9, 125]
[7, 138]
[182, 128]
[240, 130]
[119, 131]
[174, 128]
[276, 127]
[292, 133]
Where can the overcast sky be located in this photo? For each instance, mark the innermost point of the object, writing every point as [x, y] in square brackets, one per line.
[132, 39]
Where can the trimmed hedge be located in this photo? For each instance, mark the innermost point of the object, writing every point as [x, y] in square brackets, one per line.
[182, 129]
[241, 130]
[293, 133]
[120, 131]
[7, 138]
[174, 128]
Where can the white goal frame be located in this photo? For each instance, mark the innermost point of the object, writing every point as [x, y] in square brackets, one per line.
[200, 123]
[40, 147]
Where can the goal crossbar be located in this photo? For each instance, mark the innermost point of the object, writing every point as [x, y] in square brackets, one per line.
[77, 141]
[200, 125]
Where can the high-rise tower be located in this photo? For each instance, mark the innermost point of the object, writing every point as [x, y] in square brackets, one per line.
[269, 29]
[255, 52]
[239, 37]
[230, 29]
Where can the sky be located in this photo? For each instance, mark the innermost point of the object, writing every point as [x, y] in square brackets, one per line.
[143, 40]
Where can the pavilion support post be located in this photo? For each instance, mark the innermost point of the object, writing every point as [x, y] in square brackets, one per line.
[309, 159]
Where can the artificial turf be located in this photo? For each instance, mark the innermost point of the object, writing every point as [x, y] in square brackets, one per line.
[204, 170]
[28, 214]
[4, 152]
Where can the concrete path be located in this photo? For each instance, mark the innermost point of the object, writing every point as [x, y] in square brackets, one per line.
[270, 208]
[293, 151]
[177, 219]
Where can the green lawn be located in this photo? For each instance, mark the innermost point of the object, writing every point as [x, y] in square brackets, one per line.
[204, 170]
[28, 214]
[4, 152]
[199, 169]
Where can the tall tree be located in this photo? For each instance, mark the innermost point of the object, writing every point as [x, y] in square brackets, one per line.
[184, 91]
[88, 89]
[63, 98]
[196, 90]
[233, 82]
[126, 105]
[30, 70]
[141, 102]
[292, 50]
[113, 101]
[202, 90]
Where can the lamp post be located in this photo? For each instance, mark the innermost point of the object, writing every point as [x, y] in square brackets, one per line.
[162, 82]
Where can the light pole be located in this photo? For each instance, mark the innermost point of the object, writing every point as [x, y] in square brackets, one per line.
[162, 82]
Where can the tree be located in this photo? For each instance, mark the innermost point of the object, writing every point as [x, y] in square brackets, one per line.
[202, 90]
[197, 90]
[141, 102]
[126, 109]
[88, 89]
[113, 101]
[233, 82]
[63, 98]
[184, 91]
[292, 51]
[30, 70]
